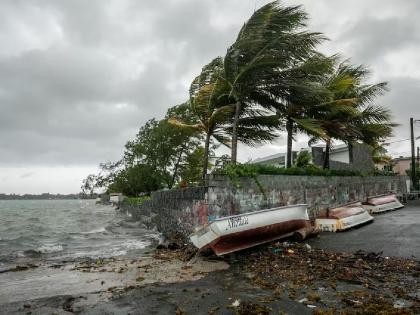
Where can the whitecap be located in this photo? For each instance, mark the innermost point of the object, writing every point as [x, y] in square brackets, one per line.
[47, 249]
[100, 230]
[135, 244]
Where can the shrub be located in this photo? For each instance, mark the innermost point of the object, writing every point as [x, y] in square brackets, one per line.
[135, 201]
[253, 170]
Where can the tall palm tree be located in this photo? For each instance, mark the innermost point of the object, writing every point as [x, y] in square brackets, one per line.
[347, 113]
[294, 94]
[210, 105]
[271, 40]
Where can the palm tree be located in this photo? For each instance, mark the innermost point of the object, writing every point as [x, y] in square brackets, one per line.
[347, 113]
[210, 105]
[271, 40]
[294, 93]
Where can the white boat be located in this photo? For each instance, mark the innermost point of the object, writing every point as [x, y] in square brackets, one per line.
[378, 204]
[229, 234]
[343, 218]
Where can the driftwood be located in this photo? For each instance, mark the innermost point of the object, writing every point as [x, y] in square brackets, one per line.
[305, 233]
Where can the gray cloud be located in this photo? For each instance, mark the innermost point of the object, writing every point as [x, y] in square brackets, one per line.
[27, 175]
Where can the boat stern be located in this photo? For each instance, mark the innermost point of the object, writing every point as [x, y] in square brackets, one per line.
[203, 237]
[343, 218]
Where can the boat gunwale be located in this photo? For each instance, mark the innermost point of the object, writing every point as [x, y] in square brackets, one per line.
[382, 195]
[257, 212]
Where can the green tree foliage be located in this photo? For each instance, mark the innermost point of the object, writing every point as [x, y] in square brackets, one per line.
[191, 171]
[88, 185]
[210, 104]
[155, 159]
[270, 43]
[347, 112]
[163, 147]
[135, 180]
[303, 159]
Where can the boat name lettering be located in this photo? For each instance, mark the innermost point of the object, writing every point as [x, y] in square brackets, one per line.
[237, 221]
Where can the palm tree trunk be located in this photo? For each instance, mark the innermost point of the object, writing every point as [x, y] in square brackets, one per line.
[176, 168]
[289, 129]
[327, 154]
[206, 157]
[234, 154]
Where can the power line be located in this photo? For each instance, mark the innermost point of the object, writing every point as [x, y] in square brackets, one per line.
[388, 143]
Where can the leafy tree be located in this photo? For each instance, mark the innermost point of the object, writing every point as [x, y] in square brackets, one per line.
[163, 147]
[135, 180]
[191, 171]
[303, 159]
[88, 185]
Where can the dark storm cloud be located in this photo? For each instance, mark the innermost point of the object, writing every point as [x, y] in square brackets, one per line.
[373, 38]
[78, 78]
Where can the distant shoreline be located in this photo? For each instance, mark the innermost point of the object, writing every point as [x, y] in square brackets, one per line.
[46, 197]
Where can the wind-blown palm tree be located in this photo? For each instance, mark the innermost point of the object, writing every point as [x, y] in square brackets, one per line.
[271, 40]
[347, 113]
[211, 103]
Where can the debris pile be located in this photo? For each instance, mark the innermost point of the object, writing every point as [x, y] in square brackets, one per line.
[331, 282]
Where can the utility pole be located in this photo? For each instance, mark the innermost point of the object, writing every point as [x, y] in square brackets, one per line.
[418, 164]
[413, 156]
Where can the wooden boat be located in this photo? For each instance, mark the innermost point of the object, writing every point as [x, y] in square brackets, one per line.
[382, 203]
[343, 218]
[233, 233]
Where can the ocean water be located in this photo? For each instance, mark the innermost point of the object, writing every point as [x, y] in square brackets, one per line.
[51, 230]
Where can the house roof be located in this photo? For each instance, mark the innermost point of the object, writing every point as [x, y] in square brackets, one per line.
[402, 158]
[269, 157]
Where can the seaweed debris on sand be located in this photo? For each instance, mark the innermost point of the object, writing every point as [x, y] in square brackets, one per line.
[332, 282]
[278, 278]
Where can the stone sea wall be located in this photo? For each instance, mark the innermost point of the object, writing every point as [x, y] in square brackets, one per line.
[177, 212]
[318, 192]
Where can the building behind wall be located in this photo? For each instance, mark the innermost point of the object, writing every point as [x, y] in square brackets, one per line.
[401, 165]
[358, 157]
[278, 160]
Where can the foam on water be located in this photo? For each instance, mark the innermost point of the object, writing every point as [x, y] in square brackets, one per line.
[68, 229]
[47, 249]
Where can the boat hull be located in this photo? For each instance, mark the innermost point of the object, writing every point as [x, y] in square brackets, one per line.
[230, 234]
[344, 218]
[382, 203]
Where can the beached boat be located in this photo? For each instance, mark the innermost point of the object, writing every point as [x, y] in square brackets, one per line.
[343, 218]
[382, 203]
[233, 233]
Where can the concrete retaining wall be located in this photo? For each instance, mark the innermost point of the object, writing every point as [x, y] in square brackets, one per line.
[318, 192]
[177, 212]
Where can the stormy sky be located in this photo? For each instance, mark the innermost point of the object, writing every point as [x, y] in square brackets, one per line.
[78, 78]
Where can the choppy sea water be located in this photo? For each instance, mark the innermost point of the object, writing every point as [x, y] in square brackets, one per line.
[34, 230]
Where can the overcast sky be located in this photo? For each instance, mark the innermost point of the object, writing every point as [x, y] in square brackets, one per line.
[78, 78]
